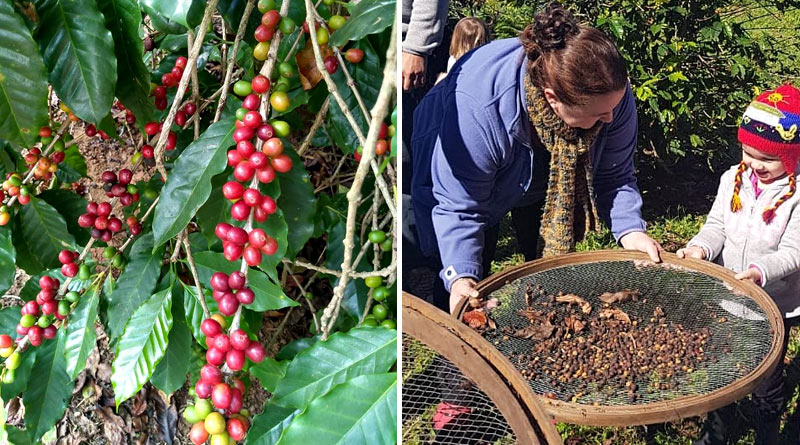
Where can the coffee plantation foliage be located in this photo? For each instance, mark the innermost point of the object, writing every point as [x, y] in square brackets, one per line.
[693, 66]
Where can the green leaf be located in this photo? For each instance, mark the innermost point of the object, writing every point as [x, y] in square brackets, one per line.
[269, 425]
[80, 332]
[133, 78]
[70, 206]
[74, 166]
[46, 400]
[8, 257]
[215, 209]
[291, 349]
[184, 12]
[9, 317]
[189, 184]
[135, 285]
[3, 415]
[316, 370]
[23, 84]
[44, 233]
[298, 204]
[276, 227]
[142, 345]
[366, 17]
[162, 23]
[269, 372]
[78, 51]
[269, 295]
[17, 436]
[194, 311]
[170, 374]
[368, 75]
[362, 410]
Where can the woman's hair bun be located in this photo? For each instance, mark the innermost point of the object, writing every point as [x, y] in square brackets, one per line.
[552, 27]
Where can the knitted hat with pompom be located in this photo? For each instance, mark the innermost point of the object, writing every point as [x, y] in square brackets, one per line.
[770, 125]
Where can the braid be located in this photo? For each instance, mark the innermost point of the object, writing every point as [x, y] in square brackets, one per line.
[736, 202]
[769, 214]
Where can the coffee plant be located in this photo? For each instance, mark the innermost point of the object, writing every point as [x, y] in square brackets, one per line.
[261, 183]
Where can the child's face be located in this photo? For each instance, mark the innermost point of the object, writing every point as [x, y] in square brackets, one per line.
[767, 167]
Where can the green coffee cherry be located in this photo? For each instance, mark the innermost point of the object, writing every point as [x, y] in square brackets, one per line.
[63, 307]
[13, 361]
[84, 273]
[240, 112]
[117, 261]
[9, 376]
[380, 293]
[44, 321]
[109, 252]
[27, 320]
[72, 296]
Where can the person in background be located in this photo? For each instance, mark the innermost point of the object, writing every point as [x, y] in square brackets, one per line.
[754, 229]
[469, 33]
[423, 29]
[544, 123]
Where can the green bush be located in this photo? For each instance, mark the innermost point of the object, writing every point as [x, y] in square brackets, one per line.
[694, 66]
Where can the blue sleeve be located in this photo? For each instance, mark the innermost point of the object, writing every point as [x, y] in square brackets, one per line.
[618, 200]
[463, 170]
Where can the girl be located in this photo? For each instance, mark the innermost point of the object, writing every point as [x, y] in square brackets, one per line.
[469, 33]
[754, 229]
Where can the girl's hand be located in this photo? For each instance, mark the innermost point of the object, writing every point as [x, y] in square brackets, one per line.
[462, 287]
[691, 252]
[643, 243]
[752, 274]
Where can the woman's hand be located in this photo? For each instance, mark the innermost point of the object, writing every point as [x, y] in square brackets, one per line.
[643, 243]
[413, 67]
[752, 274]
[462, 287]
[691, 252]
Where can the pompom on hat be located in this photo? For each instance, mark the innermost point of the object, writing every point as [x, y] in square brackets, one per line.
[771, 124]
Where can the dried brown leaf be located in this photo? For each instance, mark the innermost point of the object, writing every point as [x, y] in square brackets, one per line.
[574, 324]
[615, 314]
[113, 425]
[307, 65]
[619, 297]
[537, 332]
[586, 307]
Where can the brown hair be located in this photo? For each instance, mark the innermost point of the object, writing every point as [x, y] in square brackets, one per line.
[469, 33]
[574, 60]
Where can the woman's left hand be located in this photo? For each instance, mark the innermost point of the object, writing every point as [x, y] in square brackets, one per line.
[643, 243]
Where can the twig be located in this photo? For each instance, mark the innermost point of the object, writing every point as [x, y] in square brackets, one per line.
[44, 152]
[144, 217]
[232, 57]
[379, 111]
[211, 6]
[195, 83]
[190, 259]
[323, 110]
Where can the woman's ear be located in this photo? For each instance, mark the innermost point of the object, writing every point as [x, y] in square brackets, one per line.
[551, 97]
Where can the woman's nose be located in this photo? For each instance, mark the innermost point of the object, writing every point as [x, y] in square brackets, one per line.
[607, 118]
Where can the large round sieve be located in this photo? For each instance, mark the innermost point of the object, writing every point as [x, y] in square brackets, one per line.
[743, 323]
[451, 395]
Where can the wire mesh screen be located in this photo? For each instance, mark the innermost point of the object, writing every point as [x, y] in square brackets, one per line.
[638, 332]
[441, 406]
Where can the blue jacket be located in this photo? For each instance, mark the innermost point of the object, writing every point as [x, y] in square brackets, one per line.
[473, 159]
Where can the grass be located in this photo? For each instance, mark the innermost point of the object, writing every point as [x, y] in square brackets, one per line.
[673, 232]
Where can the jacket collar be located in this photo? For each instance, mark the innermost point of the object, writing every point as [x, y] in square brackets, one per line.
[521, 127]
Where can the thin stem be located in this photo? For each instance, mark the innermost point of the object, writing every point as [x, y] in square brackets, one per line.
[379, 112]
[190, 259]
[232, 57]
[315, 126]
[211, 6]
[195, 83]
